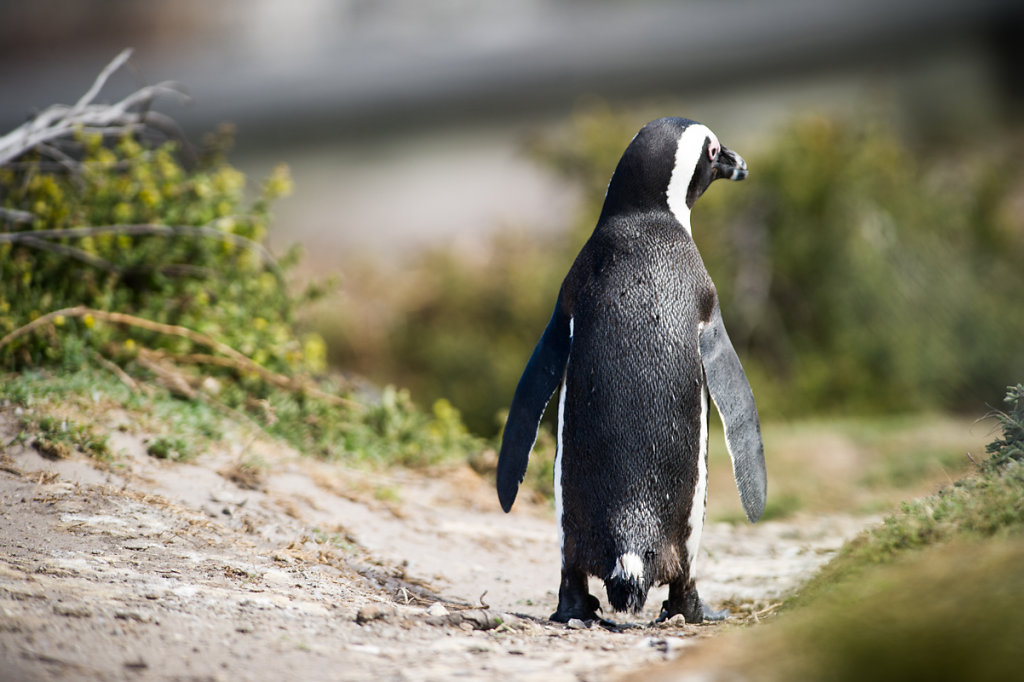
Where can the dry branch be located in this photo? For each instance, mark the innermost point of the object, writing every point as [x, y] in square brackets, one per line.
[60, 121]
[233, 358]
[209, 231]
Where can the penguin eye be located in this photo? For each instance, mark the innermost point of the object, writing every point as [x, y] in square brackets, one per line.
[713, 148]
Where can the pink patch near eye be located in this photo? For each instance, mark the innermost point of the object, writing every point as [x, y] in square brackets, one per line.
[713, 146]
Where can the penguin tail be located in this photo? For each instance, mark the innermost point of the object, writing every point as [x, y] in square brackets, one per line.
[628, 584]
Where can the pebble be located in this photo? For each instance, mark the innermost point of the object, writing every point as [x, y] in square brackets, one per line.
[373, 612]
[480, 619]
[72, 610]
[576, 624]
[131, 614]
[437, 609]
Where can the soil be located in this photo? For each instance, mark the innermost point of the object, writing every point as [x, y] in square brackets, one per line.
[253, 562]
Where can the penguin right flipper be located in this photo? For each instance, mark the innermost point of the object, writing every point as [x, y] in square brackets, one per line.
[543, 374]
[731, 392]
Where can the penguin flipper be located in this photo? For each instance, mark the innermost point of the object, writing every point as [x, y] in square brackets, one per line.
[731, 392]
[542, 376]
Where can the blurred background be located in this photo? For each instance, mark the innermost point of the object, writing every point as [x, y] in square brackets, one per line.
[449, 159]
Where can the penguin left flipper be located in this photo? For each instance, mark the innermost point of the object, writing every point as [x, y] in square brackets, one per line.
[543, 374]
[729, 388]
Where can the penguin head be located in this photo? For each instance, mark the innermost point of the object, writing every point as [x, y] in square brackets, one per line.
[668, 166]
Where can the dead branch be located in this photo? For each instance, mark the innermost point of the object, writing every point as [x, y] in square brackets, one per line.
[61, 121]
[13, 215]
[166, 373]
[278, 380]
[29, 239]
[239, 361]
[116, 370]
[209, 231]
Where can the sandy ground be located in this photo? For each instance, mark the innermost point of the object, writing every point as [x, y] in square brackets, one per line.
[143, 569]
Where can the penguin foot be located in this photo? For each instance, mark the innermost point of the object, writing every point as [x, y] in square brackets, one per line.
[682, 599]
[706, 613]
[585, 609]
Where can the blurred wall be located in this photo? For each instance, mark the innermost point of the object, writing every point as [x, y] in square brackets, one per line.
[403, 121]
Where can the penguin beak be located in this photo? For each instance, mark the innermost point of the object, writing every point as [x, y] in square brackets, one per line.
[730, 165]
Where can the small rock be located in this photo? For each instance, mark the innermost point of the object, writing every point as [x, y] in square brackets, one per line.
[674, 644]
[514, 622]
[373, 612]
[480, 619]
[676, 621]
[366, 649]
[226, 497]
[437, 609]
[72, 610]
[666, 645]
[130, 614]
[576, 624]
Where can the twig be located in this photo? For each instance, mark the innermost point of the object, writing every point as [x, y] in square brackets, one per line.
[101, 80]
[117, 371]
[13, 215]
[166, 373]
[277, 379]
[60, 121]
[144, 229]
[29, 239]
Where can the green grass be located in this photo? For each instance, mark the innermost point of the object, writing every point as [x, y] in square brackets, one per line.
[972, 509]
[388, 431]
[949, 612]
[935, 592]
[172, 448]
[58, 438]
[855, 464]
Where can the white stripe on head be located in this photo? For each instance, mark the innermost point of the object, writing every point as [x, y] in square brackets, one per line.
[558, 453]
[688, 155]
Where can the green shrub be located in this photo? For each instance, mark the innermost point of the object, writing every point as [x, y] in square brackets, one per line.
[987, 505]
[145, 236]
[1009, 448]
[935, 593]
[860, 274]
[122, 256]
[856, 274]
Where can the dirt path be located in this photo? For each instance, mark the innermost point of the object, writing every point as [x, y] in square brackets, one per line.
[150, 570]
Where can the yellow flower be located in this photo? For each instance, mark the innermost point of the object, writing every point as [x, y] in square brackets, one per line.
[279, 184]
[88, 321]
[315, 351]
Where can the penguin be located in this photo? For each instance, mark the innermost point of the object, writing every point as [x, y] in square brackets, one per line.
[637, 350]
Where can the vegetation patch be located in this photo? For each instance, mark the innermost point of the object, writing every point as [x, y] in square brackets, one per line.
[935, 592]
[57, 438]
[169, 447]
[135, 273]
[859, 271]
